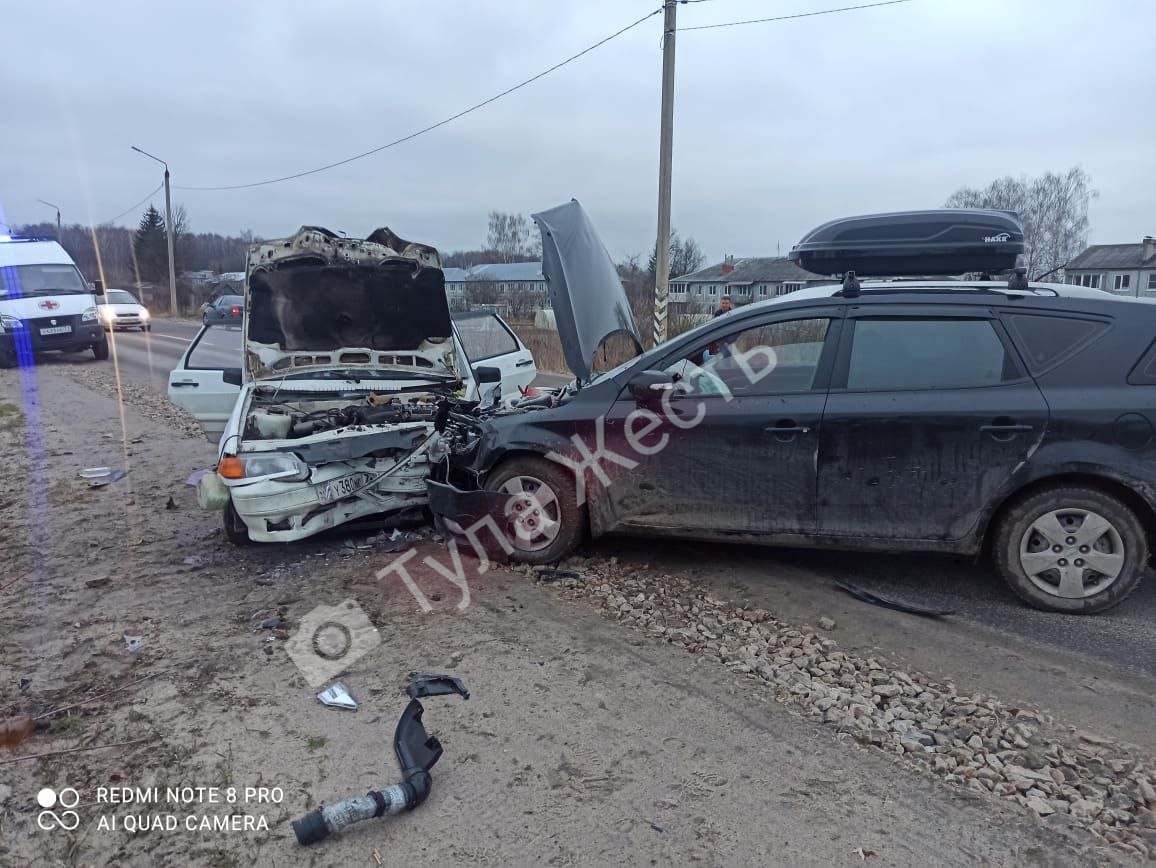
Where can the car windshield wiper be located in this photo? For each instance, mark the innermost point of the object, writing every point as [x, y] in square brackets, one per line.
[356, 375]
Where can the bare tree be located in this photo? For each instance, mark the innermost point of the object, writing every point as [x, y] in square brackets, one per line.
[510, 238]
[482, 292]
[685, 257]
[1052, 207]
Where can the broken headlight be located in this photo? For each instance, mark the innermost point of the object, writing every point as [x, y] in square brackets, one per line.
[278, 466]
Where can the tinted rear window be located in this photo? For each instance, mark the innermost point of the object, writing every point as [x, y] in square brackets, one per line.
[1144, 374]
[1046, 340]
[903, 354]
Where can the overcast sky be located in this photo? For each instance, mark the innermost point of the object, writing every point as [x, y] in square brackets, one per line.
[778, 126]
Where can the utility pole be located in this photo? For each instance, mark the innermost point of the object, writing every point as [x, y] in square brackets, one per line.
[57, 207]
[168, 233]
[665, 155]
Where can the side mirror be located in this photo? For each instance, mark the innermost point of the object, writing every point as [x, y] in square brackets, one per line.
[98, 287]
[486, 374]
[649, 385]
[232, 376]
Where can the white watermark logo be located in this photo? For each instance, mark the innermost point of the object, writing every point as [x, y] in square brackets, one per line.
[67, 819]
[330, 640]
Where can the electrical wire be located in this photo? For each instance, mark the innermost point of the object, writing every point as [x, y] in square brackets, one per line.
[431, 127]
[133, 207]
[797, 15]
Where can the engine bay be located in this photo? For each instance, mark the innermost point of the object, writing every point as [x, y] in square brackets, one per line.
[271, 419]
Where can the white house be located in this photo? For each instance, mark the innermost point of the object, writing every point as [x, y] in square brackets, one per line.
[745, 280]
[1125, 269]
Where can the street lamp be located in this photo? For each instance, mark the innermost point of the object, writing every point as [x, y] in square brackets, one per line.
[168, 232]
[57, 207]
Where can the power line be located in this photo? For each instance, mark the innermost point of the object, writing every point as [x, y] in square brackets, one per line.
[798, 15]
[431, 127]
[131, 208]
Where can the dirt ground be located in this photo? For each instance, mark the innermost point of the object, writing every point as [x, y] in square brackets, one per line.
[584, 740]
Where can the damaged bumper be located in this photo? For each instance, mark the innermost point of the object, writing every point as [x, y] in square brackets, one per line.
[276, 511]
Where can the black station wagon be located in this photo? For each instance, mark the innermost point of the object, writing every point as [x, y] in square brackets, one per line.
[982, 416]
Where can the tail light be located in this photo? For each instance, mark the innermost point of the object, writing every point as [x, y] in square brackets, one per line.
[235, 310]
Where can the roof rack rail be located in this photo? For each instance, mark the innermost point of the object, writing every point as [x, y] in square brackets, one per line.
[1018, 280]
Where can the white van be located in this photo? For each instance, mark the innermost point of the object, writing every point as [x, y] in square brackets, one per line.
[45, 303]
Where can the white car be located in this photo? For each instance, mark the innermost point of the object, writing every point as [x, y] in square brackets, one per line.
[119, 309]
[323, 400]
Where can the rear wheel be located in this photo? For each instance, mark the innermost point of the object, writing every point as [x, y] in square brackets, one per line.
[147, 328]
[1071, 549]
[544, 521]
[235, 529]
[100, 351]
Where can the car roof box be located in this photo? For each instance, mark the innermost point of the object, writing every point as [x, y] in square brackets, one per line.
[947, 241]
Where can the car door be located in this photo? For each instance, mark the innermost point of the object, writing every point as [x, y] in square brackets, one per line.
[487, 340]
[207, 379]
[930, 412]
[737, 449]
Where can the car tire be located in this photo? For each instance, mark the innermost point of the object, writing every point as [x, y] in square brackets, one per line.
[100, 350]
[549, 535]
[235, 529]
[1091, 528]
[8, 358]
[146, 328]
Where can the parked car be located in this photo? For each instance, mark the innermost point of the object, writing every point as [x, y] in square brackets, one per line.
[322, 401]
[975, 417]
[119, 309]
[224, 309]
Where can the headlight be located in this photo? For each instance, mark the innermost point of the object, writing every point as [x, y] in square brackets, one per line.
[280, 466]
[107, 313]
[89, 315]
[10, 323]
[144, 314]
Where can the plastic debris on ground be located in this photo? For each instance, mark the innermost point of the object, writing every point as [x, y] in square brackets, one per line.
[898, 606]
[197, 476]
[133, 643]
[98, 477]
[336, 696]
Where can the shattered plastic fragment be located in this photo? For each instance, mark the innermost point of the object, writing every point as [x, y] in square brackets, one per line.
[196, 477]
[133, 643]
[336, 696]
[875, 600]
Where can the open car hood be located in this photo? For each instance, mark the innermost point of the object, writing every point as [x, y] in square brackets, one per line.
[587, 296]
[320, 302]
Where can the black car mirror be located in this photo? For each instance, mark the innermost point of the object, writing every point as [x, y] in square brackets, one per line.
[650, 385]
[486, 374]
[232, 376]
[98, 287]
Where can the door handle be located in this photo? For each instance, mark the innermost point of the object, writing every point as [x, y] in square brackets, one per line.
[1005, 429]
[524, 363]
[787, 426]
[184, 383]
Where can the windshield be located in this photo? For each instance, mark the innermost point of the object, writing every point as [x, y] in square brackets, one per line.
[17, 280]
[118, 296]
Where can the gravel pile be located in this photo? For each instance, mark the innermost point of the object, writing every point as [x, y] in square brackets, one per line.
[1077, 782]
[143, 398]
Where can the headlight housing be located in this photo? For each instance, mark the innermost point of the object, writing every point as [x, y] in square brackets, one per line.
[89, 315]
[106, 312]
[144, 314]
[276, 466]
[10, 323]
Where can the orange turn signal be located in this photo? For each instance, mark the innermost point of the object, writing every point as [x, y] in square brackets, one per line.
[231, 467]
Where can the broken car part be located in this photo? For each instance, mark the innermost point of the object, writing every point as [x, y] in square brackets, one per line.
[416, 752]
[428, 684]
[876, 600]
[337, 696]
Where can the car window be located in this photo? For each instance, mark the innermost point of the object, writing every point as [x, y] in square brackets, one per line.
[1047, 339]
[769, 359]
[119, 296]
[218, 347]
[484, 336]
[903, 354]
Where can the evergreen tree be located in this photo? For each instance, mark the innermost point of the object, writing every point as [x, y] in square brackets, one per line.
[151, 247]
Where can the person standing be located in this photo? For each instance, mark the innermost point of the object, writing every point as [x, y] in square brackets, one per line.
[723, 308]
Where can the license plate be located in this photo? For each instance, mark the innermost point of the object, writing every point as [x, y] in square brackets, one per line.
[336, 489]
[56, 330]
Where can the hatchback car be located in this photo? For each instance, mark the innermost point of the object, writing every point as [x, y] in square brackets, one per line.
[224, 309]
[968, 416]
[119, 309]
